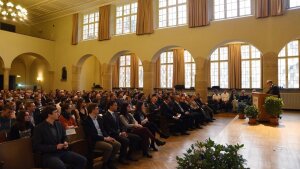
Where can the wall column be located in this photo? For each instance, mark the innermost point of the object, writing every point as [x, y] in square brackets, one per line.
[6, 78]
[76, 70]
[269, 69]
[51, 80]
[201, 79]
[106, 80]
[149, 78]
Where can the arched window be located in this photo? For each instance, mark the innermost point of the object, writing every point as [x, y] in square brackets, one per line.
[250, 66]
[166, 69]
[141, 75]
[288, 65]
[219, 67]
[124, 76]
[190, 70]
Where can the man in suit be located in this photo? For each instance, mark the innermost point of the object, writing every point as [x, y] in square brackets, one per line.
[273, 89]
[167, 111]
[50, 140]
[113, 128]
[98, 137]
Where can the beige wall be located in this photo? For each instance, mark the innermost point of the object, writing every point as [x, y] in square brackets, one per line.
[90, 73]
[269, 35]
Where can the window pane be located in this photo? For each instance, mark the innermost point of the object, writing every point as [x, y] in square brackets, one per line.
[126, 18]
[214, 74]
[294, 3]
[293, 48]
[293, 73]
[171, 2]
[162, 3]
[281, 73]
[133, 23]
[219, 9]
[181, 1]
[163, 76]
[182, 14]
[134, 8]
[141, 77]
[215, 55]
[224, 53]
[224, 74]
[122, 77]
[245, 7]
[231, 8]
[127, 77]
[245, 74]
[188, 73]
[162, 18]
[128, 60]
[172, 16]
[255, 54]
[245, 51]
[163, 58]
[90, 26]
[170, 57]
[119, 11]
[282, 53]
[256, 74]
[170, 76]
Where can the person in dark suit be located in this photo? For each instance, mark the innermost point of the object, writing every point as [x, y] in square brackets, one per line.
[113, 128]
[167, 111]
[98, 137]
[50, 140]
[273, 89]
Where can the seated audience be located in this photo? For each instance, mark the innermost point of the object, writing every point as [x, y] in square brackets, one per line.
[66, 118]
[6, 122]
[23, 128]
[225, 104]
[50, 140]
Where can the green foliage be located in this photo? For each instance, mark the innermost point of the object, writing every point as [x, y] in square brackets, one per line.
[251, 112]
[209, 155]
[273, 106]
[241, 107]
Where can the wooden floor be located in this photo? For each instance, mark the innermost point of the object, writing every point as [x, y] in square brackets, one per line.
[266, 147]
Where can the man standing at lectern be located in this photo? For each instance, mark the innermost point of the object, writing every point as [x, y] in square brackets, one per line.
[273, 89]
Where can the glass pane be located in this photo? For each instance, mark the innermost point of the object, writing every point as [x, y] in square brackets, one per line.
[163, 76]
[293, 73]
[119, 26]
[224, 74]
[187, 56]
[163, 58]
[170, 57]
[282, 52]
[215, 55]
[126, 9]
[193, 74]
[182, 14]
[219, 9]
[122, 77]
[91, 18]
[133, 23]
[294, 3]
[141, 76]
[231, 8]
[255, 54]
[128, 60]
[245, 51]
[171, 2]
[245, 74]
[293, 48]
[162, 3]
[126, 24]
[256, 74]
[224, 53]
[170, 76]
[172, 14]
[181, 1]
[85, 19]
[134, 8]
[214, 74]
[127, 77]
[162, 18]
[281, 73]
[245, 7]
[188, 75]
[122, 60]
[119, 11]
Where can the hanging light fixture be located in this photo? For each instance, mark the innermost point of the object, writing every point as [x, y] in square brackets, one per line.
[10, 11]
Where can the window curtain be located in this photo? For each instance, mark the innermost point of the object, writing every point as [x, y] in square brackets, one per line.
[178, 67]
[262, 8]
[157, 73]
[144, 17]
[277, 7]
[104, 22]
[134, 71]
[234, 65]
[198, 13]
[75, 29]
[116, 74]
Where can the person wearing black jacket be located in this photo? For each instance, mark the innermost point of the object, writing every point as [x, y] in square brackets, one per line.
[23, 128]
[98, 137]
[113, 129]
[50, 140]
[273, 89]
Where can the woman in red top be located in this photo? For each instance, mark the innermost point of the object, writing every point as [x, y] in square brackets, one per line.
[66, 118]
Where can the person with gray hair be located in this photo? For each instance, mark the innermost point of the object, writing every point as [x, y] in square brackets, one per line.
[273, 89]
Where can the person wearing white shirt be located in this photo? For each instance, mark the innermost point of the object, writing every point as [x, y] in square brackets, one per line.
[225, 100]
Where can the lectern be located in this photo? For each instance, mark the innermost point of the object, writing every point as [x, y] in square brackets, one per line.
[258, 99]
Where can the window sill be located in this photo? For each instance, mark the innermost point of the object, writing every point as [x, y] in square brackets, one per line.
[237, 17]
[167, 27]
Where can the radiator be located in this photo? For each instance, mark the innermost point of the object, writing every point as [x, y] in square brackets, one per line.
[291, 100]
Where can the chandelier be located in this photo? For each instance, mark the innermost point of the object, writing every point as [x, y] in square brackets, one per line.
[8, 10]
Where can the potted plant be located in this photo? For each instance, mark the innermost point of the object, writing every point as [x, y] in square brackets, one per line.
[241, 110]
[208, 154]
[273, 107]
[252, 113]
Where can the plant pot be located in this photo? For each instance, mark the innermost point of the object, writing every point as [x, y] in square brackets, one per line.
[274, 121]
[242, 116]
[252, 121]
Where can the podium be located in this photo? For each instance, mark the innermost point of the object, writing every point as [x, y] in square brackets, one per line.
[258, 99]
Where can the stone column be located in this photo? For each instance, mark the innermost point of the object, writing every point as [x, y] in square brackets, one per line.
[51, 80]
[201, 80]
[76, 70]
[106, 73]
[149, 77]
[6, 78]
[269, 69]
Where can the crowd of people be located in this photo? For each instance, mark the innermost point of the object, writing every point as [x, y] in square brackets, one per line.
[115, 122]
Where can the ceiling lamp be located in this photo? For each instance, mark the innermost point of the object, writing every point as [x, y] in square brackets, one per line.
[10, 11]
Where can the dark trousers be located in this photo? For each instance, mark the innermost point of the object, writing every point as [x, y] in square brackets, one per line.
[58, 160]
[145, 134]
[124, 145]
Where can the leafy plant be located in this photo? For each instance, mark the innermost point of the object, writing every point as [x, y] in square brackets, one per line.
[241, 107]
[209, 155]
[251, 111]
[273, 106]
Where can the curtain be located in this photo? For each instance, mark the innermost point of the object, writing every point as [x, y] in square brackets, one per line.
[144, 17]
[104, 22]
[75, 29]
[277, 7]
[157, 71]
[116, 74]
[178, 67]
[134, 71]
[198, 13]
[234, 65]
[262, 8]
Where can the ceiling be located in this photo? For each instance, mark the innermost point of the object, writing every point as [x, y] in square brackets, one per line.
[45, 10]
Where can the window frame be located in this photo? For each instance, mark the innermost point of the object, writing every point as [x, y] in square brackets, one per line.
[191, 63]
[252, 5]
[167, 64]
[130, 3]
[219, 61]
[125, 66]
[88, 23]
[291, 8]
